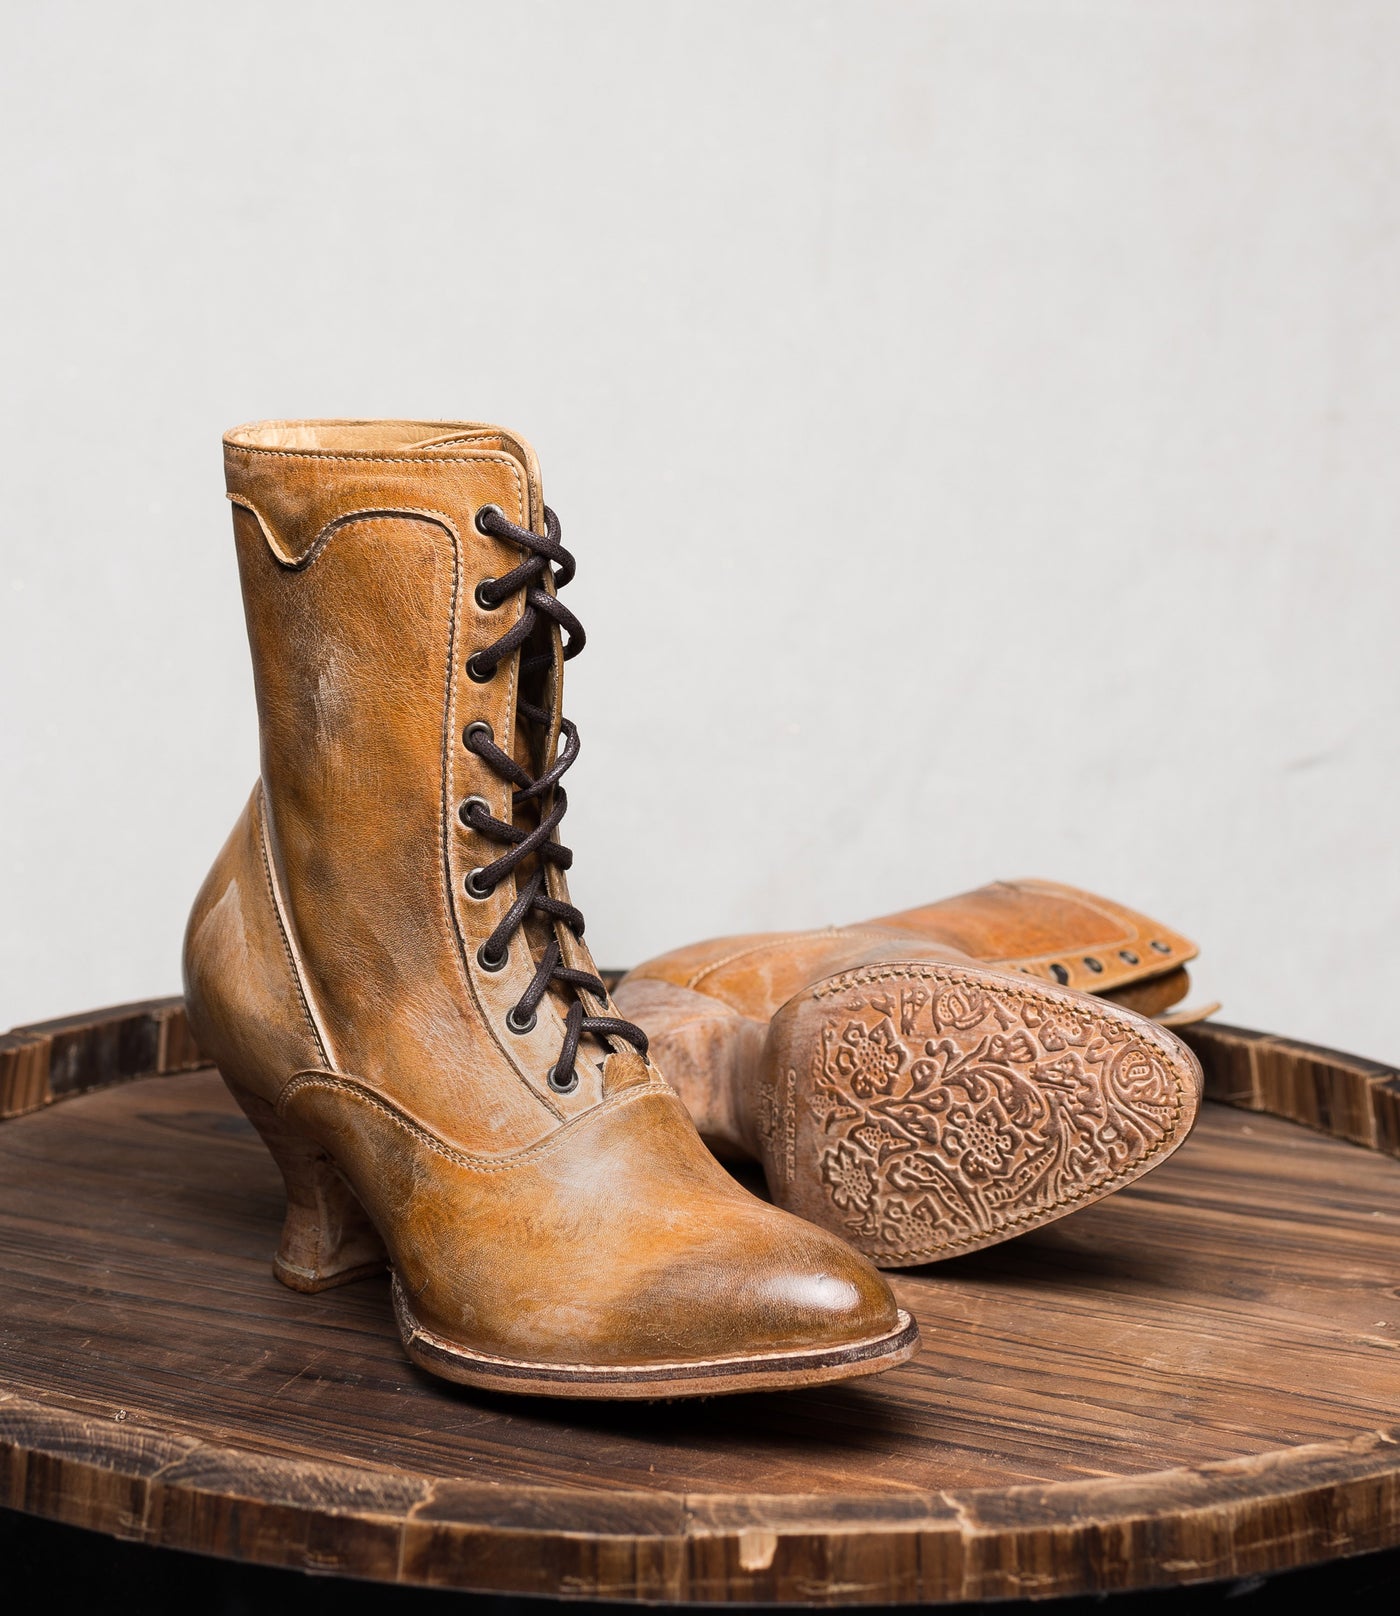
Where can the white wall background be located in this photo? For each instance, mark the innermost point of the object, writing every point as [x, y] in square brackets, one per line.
[976, 421]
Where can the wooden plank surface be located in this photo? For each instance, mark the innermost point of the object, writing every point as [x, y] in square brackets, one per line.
[1198, 1377]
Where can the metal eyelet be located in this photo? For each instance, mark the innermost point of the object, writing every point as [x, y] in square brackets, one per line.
[476, 888]
[1127, 956]
[566, 1087]
[1162, 948]
[480, 596]
[465, 807]
[517, 1025]
[479, 675]
[1060, 974]
[1095, 965]
[476, 520]
[492, 962]
[480, 727]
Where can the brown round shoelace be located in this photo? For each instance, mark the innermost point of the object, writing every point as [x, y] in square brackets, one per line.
[542, 555]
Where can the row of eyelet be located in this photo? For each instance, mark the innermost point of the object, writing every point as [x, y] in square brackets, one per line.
[471, 883]
[475, 674]
[1061, 973]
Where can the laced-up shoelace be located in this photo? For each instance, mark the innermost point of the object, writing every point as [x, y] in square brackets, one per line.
[542, 555]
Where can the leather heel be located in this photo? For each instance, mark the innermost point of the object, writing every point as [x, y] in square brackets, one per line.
[327, 1238]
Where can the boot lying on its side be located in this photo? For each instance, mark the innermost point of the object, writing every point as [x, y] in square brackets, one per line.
[386, 968]
[933, 1081]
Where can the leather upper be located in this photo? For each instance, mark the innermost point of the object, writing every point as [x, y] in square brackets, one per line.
[1041, 928]
[332, 962]
[707, 1006]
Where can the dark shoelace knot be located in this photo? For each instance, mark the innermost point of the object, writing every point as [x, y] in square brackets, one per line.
[544, 554]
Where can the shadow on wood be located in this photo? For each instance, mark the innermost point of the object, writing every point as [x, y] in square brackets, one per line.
[1198, 1378]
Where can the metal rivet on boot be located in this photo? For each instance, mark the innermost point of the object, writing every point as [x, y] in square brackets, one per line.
[475, 887]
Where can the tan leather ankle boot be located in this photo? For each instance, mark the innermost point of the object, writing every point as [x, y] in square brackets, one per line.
[927, 1083]
[386, 967]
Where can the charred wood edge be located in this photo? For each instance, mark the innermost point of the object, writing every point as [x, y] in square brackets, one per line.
[112, 1472]
[118, 1471]
[1346, 1096]
[1343, 1095]
[55, 1060]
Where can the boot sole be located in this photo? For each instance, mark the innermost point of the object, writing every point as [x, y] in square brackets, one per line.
[775, 1371]
[922, 1110]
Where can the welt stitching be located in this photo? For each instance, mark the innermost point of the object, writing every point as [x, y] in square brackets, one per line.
[1012, 990]
[696, 1366]
[477, 1164]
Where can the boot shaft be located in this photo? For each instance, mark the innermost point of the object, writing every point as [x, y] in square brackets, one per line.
[360, 559]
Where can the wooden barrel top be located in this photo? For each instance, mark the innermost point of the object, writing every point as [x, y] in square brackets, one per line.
[1196, 1378]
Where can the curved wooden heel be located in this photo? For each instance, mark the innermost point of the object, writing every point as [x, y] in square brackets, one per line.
[327, 1238]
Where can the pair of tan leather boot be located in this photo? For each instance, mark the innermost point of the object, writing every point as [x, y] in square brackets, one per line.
[386, 967]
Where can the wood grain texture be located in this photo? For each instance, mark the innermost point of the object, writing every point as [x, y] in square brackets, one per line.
[1197, 1378]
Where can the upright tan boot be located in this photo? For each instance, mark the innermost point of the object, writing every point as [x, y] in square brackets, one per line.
[386, 967]
[928, 1083]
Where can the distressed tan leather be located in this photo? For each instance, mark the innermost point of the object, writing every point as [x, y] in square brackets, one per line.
[582, 1243]
[926, 1083]
[706, 1006]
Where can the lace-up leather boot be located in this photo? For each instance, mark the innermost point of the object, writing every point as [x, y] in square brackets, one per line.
[931, 1082]
[386, 967]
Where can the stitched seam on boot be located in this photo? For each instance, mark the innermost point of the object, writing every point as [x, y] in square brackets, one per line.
[319, 546]
[500, 458]
[334, 1083]
[366, 513]
[293, 963]
[757, 948]
[448, 893]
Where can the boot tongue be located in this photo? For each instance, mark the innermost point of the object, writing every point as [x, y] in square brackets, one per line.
[539, 929]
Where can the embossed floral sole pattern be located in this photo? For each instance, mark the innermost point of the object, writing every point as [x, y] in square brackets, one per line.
[926, 1110]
